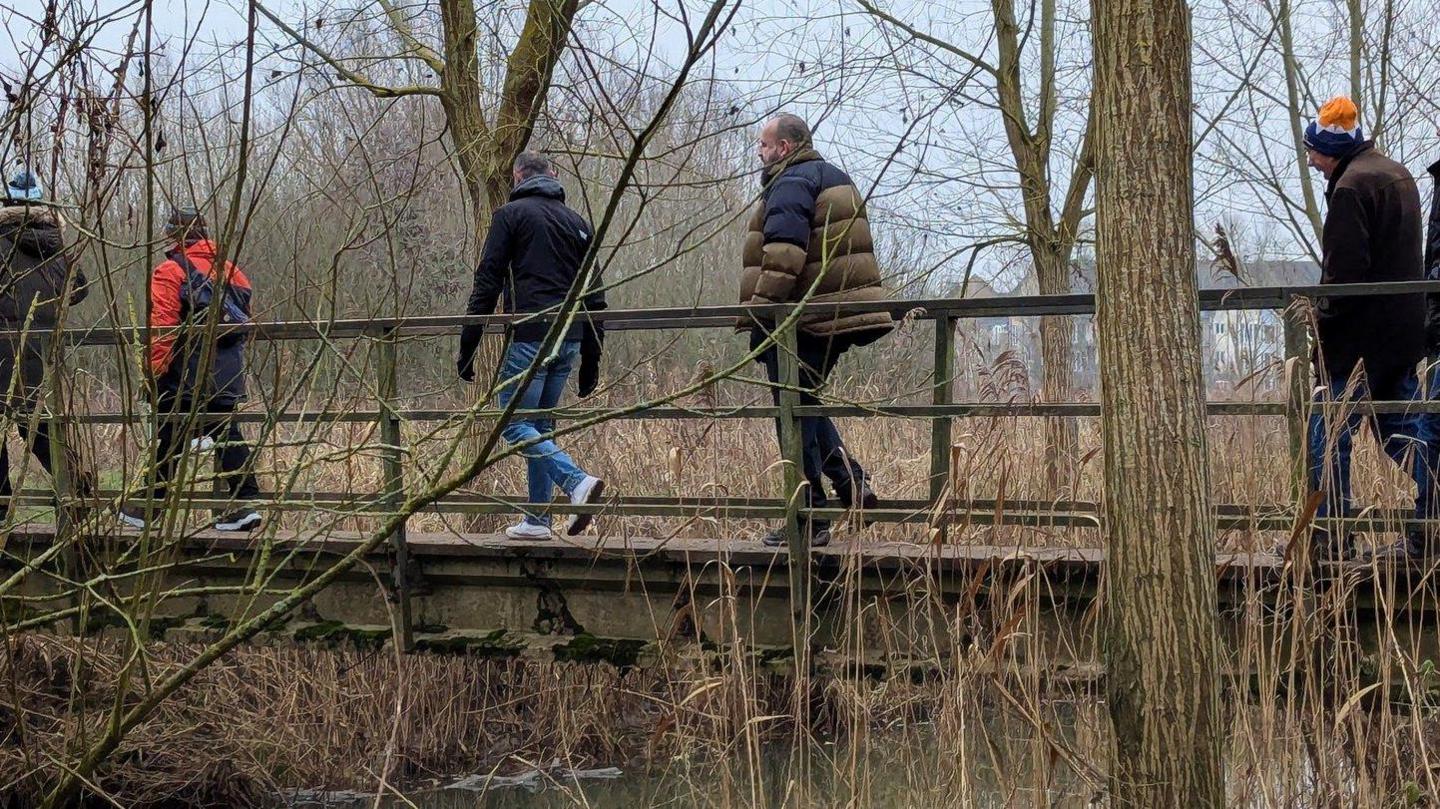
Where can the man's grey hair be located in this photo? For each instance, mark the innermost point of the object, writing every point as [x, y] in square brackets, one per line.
[533, 164]
[792, 128]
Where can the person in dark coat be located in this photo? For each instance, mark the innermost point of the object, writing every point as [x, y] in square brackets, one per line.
[196, 376]
[809, 239]
[1369, 346]
[1432, 272]
[533, 256]
[37, 282]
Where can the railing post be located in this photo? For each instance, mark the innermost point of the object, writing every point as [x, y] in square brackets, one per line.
[791, 452]
[61, 476]
[392, 451]
[943, 393]
[1297, 396]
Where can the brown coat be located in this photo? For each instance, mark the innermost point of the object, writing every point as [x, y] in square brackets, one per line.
[1373, 232]
[809, 236]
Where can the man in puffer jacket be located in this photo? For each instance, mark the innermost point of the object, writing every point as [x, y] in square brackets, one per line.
[809, 240]
[37, 281]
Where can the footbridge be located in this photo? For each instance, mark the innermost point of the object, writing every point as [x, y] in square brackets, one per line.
[348, 566]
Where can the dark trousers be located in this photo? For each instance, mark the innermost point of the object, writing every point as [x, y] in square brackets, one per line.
[39, 444]
[179, 425]
[822, 450]
[1409, 439]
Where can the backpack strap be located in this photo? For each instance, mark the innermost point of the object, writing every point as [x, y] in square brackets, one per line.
[179, 257]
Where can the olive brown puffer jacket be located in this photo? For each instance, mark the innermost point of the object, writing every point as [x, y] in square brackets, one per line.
[810, 230]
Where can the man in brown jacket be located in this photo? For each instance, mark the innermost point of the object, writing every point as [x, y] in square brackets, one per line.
[1369, 346]
[809, 240]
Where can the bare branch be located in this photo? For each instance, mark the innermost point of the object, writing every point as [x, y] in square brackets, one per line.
[378, 90]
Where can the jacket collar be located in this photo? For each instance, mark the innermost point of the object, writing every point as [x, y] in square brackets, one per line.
[804, 154]
[200, 249]
[541, 186]
[1359, 149]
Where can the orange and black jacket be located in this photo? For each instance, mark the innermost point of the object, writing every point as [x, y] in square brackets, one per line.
[179, 356]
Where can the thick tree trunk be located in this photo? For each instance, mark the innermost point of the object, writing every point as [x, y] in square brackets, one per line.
[1161, 646]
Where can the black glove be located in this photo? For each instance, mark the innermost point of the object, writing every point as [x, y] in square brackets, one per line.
[592, 344]
[469, 341]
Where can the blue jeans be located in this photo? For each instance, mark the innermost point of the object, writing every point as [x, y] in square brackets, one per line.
[1410, 439]
[547, 466]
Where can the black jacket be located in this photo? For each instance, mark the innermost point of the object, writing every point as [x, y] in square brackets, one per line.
[532, 255]
[35, 278]
[1432, 267]
[1372, 234]
[35, 275]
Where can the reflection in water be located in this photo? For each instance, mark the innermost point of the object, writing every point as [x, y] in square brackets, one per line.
[894, 775]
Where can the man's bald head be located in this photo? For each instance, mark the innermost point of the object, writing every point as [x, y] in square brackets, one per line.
[781, 137]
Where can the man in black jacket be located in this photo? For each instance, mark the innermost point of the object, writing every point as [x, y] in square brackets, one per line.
[533, 255]
[37, 281]
[1369, 347]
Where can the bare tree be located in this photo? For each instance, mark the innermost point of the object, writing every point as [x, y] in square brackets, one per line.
[1161, 646]
[1051, 217]
[485, 139]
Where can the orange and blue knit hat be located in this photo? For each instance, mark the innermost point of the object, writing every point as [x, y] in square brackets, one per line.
[1336, 130]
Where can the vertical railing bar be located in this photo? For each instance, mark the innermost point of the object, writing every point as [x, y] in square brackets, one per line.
[943, 393]
[1297, 404]
[791, 451]
[60, 473]
[394, 482]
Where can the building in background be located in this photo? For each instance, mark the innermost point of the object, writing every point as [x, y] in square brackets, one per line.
[1238, 346]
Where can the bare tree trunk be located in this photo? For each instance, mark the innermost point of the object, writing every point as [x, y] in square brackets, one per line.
[1297, 133]
[484, 151]
[1357, 50]
[1161, 647]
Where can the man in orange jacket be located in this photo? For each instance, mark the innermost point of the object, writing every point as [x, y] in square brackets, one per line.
[196, 367]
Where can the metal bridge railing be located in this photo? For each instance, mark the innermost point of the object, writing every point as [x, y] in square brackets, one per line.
[945, 313]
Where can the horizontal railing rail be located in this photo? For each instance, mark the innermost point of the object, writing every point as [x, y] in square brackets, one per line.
[695, 317]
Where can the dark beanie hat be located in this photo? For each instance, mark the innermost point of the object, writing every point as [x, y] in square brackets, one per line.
[186, 221]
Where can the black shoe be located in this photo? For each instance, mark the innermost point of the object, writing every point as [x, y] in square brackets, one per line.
[1419, 544]
[132, 517]
[846, 495]
[775, 538]
[243, 519]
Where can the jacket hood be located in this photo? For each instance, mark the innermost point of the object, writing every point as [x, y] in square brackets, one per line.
[204, 251]
[541, 186]
[803, 155]
[33, 229]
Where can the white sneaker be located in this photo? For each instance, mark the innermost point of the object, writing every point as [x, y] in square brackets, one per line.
[528, 530]
[587, 493]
